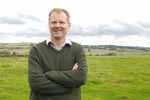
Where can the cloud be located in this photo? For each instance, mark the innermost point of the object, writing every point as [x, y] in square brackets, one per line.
[120, 29]
[32, 32]
[19, 19]
[11, 20]
[145, 25]
[28, 33]
[2, 35]
[29, 17]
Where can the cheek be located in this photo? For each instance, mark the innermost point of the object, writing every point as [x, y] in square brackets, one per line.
[65, 27]
[51, 27]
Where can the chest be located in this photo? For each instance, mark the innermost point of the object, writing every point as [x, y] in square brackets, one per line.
[58, 61]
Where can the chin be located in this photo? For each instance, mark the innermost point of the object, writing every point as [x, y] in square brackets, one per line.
[57, 37]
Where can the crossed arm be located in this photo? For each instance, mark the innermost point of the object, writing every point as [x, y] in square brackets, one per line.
[72, 78]
[74, 67]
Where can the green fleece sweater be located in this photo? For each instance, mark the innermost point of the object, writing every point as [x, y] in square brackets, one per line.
[60, 81]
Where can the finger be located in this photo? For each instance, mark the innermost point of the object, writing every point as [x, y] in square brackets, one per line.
[76, 66]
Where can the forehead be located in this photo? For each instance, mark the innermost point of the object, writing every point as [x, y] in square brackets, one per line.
[55, 16]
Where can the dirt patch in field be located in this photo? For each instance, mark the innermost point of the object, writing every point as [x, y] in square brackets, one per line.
[126, 50]
[4, 49]
[98, 50]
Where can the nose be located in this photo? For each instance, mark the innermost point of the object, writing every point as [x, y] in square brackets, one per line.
[57, 25]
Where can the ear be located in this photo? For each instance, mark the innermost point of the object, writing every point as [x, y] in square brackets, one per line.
[69, 25]
[49, 25]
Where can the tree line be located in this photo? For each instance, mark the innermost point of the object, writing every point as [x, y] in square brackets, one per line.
[5, 52]
[115, 47]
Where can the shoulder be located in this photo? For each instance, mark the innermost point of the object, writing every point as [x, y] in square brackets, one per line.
[43, 43]
[77, 47]
[39, 45]
[75, 44]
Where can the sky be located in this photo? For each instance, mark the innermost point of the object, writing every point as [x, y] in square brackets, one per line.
[93, 22]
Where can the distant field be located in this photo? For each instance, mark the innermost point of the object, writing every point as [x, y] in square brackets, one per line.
[3, 49]
[109, 78]
[126, 52]
[23, 45]
[18, 51]
[93, 52]
[99, 50]
[130, 50]
[23, 49]
[134, 53]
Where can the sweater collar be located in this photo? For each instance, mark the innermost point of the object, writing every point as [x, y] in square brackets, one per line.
[67, 41]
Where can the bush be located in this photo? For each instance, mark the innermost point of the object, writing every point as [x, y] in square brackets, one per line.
[109, 54]
[90, 54]
[14, 53]
[112, 54]
[120, 54]
[4, 52]
[97, 55]
[119, 49]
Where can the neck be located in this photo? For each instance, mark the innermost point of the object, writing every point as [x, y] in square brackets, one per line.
[58, 42]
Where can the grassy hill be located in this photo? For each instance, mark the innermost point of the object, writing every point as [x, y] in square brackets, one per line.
[18, 45]
[109, 78]
[18, 48]
[23, 49]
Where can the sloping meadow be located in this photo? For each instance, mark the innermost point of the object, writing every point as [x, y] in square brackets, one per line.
[109, 78]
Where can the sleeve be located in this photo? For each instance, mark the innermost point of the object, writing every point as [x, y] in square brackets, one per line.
[72, 78]
[37, 81]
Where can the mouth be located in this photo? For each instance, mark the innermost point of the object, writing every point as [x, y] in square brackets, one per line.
[57, 30]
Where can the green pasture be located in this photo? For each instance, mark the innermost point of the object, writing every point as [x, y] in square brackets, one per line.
[109, 78]
[18, 51]
[21, 45]
[118, 78]
[98, 52]
[13, 80]
[21, 51]
[134, 53]
[118, 53]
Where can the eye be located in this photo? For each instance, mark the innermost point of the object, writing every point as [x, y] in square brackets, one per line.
[61, 22]
[53, 22]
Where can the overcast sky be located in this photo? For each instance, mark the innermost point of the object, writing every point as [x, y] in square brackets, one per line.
[93, 22]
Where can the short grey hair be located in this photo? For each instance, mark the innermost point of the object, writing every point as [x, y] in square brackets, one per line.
[59, 10]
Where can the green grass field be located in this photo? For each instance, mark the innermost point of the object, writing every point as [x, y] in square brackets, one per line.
[21, 45]
[134, 53]
[23, 49]
[118, 78]
[13, 80]
[18, 51]
[118, 53]
[109, 78]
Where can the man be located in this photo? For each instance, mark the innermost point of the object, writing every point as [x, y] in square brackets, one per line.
[57, 67]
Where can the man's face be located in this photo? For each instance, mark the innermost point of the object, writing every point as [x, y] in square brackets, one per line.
[58, 25]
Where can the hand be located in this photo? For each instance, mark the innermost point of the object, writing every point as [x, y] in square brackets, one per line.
[75, 66]
[44, 74]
